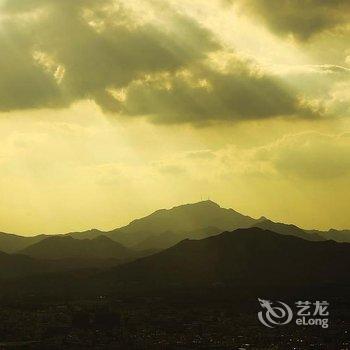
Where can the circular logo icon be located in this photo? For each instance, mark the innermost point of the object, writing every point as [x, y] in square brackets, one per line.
[274, 313]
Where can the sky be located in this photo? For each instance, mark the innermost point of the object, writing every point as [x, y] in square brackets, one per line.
[111, 109]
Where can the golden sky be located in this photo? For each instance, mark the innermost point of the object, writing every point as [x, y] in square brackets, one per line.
[110, 109]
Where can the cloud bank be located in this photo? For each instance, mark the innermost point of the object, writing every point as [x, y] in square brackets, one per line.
[153, 63]
[300, 18]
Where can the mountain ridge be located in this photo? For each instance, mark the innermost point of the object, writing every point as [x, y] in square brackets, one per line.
[249, 256]
[63, 247]
[244, 258]
[165, 227]
[181, 220]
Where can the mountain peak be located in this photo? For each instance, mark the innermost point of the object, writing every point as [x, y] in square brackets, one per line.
[207, 203]
[202, 204]
[181, 220]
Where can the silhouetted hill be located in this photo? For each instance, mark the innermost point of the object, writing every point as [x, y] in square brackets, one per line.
[244, 257]
[336, 235]
[63, 247]
[10, 243]
[179, 221]
[286, 229]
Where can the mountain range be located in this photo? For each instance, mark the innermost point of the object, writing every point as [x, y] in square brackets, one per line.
[197, 225]
[164, 228]
[244, 259]
[10, 243]
[63, 247]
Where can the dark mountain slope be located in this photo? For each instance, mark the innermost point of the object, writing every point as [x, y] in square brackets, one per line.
[63, 247]
[243, 257]
[10, 243]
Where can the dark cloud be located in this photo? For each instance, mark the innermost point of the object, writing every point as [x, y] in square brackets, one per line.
[57, 52]
[300, 18]
[23, 84]
[94, 59]
[206, 95]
